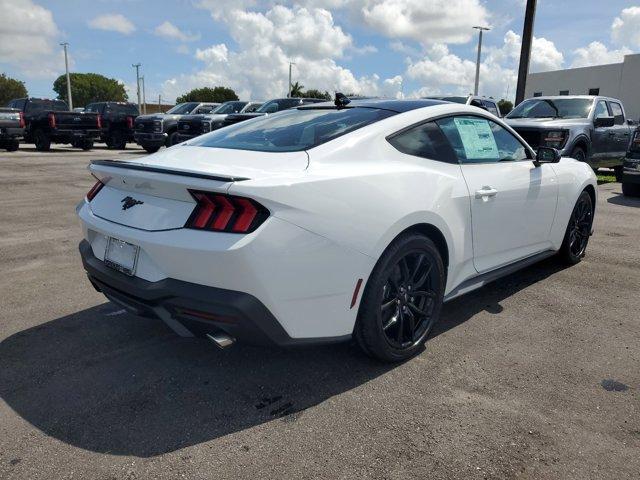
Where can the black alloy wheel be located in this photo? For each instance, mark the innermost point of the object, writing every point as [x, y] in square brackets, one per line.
[579, 154]
[578, 231]
[408, 300]
[402, 299]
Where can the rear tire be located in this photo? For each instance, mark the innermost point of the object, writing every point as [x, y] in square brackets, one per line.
[631, 189]
[12, 145]
[576, 237]
[402, 300]
[42, 141]
[150, 149]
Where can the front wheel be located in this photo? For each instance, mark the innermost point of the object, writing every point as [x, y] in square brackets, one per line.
[631, 189]
[402, 300]
[578, 231]
[172, 139]
[150, 148]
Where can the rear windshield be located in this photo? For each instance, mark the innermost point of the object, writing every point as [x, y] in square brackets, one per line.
[38, 104]
[291, 130]
[183, 108]
[553, 108]
[123, 108]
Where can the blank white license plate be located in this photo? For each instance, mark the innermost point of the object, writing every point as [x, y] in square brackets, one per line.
[121, 256]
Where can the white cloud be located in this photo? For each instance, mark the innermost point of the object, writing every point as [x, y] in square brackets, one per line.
[113, 22]
[433, 21]
[213, 54]
[29, 39]
[625, 29]
[597, 53]
[169, 31]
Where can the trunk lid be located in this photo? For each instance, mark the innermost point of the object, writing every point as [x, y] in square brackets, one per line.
[159, 184]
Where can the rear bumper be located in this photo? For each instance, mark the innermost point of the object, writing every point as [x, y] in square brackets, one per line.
[10, 132]
[198, 308]
[63, 133]
[152, 139]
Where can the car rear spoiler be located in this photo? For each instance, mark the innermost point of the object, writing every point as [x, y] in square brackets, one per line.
[168, 171]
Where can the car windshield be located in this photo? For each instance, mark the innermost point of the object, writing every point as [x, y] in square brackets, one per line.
[37, 104]
[232, 107]
[277, 105]
[291, 130]
[183, 108]
[553, 108]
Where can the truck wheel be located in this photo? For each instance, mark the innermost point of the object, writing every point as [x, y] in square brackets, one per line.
[172, 139]
[117, 141]
[12, 145]
[150, 149]
[42, 141]
[579, 154]
[86, 144]
[631, 189]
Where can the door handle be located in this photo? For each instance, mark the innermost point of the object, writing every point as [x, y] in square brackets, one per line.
[486, 192]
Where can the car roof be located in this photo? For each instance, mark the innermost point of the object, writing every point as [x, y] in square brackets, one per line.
[398, 106]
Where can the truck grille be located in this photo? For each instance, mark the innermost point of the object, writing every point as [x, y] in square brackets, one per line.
[146, 126]
[532, 137]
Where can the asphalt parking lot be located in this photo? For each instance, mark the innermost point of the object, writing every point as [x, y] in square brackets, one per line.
[536, 376]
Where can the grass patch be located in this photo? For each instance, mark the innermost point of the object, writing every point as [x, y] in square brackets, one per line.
[602, 179]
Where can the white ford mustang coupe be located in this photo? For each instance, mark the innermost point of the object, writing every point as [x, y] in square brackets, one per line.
[330, 221]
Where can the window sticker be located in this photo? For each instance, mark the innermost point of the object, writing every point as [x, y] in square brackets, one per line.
[477, 138]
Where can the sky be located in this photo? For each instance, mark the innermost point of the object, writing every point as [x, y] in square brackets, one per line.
[396, 48]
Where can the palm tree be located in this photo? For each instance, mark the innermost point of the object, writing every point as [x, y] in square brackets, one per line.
[296, 89]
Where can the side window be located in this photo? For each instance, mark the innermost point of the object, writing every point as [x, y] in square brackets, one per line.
[601, 110]
[426, 141]
[479, 140]
[616, 110]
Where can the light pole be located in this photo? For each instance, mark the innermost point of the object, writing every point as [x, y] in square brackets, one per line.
[525, 51]
[144, 96]
[137, 67]
[481, 30]
[66, 66]
[290, 64]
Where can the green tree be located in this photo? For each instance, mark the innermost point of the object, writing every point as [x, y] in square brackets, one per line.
[296, 90]
[313, 93]
[207, 94]
[505, 106]
[90, 87]
[11, 88]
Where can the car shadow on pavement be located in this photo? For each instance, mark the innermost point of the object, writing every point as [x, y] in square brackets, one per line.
[626, 201]
[105, 381]
[488, 298]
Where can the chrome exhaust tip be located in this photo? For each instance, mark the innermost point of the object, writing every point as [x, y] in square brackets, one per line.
[222, 340]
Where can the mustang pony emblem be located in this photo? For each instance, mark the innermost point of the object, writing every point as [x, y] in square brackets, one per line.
[128, 202]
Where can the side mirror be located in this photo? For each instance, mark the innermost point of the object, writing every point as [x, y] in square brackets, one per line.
[547, 155]
[604, 122]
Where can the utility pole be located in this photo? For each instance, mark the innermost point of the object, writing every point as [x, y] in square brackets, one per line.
[137, 67]
[525, 52]
[66, 66]
[289, 94]
[144, 97]
[159, 102]
[481, 30]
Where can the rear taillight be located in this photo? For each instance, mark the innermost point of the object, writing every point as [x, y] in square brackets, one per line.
[129, 122]
[22, 122]
[52, 120]
[99, 121]
[91, 194]
[226, 213]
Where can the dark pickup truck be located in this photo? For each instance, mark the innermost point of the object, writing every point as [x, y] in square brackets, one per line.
[590, 129]
[155, 130]
[631, 174]
[117, 121]
[11, 128]
[272, 106]
[50, 121]
[190, 126]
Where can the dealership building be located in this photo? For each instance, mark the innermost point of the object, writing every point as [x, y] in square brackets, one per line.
[618, 80]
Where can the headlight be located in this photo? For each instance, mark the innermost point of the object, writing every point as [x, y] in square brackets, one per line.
[635, 143]
[206, 126]
[555, 139]
[157, 126]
